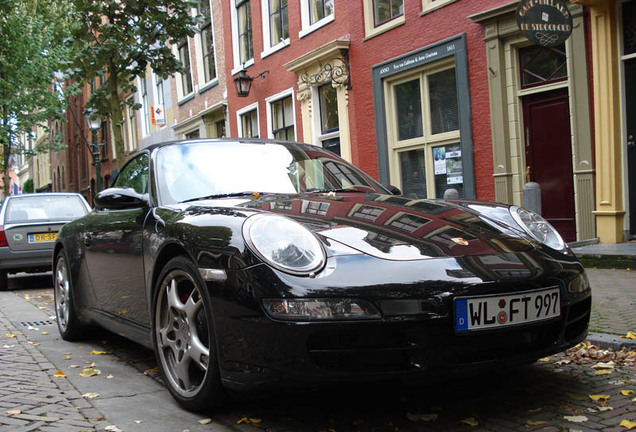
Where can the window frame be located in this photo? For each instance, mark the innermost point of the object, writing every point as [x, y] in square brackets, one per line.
[130, 141]
[183, 46]
[370, 29]
[268, 47]
[239, 118]
[305, 15]
[203, 66]
[431, 5]
[289, 93]
[239, 63]
[144, 101]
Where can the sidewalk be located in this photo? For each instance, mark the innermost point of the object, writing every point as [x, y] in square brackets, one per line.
[611, 269]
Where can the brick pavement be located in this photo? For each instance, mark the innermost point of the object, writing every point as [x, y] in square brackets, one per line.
[31, 398]
[613, 300]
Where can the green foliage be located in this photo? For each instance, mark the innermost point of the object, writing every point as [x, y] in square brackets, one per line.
[32, 33]
[118, 39]
[27, 187]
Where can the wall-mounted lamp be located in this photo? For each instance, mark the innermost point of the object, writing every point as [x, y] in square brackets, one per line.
[94, 121]
[243, 82]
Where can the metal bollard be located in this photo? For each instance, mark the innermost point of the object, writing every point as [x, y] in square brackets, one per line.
[532, 197]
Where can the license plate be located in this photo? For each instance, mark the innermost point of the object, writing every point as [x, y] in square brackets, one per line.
[42, 237]
[488, 312]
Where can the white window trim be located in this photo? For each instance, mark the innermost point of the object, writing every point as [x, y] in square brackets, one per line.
[179, 78]
[145, 108]
[236, 55]
[430, 5]
[276, 98]
[240, 113]
[370, 30]
[198, 46]
[310, 28]
[130, 144]
[267, 48]
[155, 98]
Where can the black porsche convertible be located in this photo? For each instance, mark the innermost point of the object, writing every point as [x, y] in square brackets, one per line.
[256, 264]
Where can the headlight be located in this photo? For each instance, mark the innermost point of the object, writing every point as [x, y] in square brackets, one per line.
[537, 227]
[309, 309]
[284, 244]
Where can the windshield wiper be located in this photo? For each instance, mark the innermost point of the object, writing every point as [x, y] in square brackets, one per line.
[225, 195]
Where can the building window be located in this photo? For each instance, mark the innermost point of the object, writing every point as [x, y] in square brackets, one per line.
[131, 128]
[278, 22]
[207, 42]
[408, 222]
[282, 119]
[244, 16]
[145, 106]
[541, 65]
[424, 137]
[186, 76]
[249, 123]
[315, 14]
[329, 136]
[159, 89]
[193, 134]
[366, 212]
[315, 208]
[104, 139]
[386, 10]
[319, 9]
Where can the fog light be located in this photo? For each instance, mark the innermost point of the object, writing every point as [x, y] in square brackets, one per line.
[320, 309]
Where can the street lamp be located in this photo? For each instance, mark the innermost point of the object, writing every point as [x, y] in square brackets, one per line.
[94, 124]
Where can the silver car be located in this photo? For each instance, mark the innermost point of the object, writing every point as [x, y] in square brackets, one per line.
[28, 227]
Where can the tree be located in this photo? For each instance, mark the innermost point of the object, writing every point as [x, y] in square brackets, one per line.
[117, 40]
[32, 33]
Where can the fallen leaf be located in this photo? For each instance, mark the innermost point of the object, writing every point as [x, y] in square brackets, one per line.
[68, 358]
[14, 412]
[45, 333]
[112, 428]
[605, 408]
[95, 352]
[576, 419]
[205, 421]
[627, 392]
[255, 420]
[138, 421]
[421, 417]
[535, 410]
[74, 366]
[90, 395]
[577, 397]
[89, 372]
[59, 374]
[599, 398]
[470, 421]
[629, 335]
[604, 365]
[537, 423]
[154, 370]
[110, 376]
[628, 424]
[545, 359]
[41, 308]
[9, 335]
[242, 420]
[603, 372]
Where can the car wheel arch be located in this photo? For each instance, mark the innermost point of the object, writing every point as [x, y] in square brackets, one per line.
[168, 252]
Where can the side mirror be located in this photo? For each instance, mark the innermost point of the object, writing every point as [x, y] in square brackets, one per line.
[120, 198]
[393, 189]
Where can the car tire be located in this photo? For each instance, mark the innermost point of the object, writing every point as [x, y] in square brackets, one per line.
[67, 322]
[184, 338]
[4, 280]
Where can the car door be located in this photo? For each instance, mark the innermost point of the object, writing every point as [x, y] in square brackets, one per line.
[113, 240]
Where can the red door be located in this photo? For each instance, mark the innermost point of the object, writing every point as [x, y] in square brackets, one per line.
[549, 157]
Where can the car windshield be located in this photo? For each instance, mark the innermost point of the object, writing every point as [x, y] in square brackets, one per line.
[38, 208]
[218, 169]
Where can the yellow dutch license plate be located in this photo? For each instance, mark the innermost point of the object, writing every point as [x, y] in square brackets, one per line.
[42, 237]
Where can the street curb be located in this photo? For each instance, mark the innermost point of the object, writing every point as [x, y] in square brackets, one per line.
[606, 340]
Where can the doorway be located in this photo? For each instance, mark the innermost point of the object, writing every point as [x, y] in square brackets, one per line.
[548, 151]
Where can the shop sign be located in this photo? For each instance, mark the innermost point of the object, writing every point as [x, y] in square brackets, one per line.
[157, 115]
[544, 22]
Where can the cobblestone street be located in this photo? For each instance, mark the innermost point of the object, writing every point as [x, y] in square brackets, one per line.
[583, 390]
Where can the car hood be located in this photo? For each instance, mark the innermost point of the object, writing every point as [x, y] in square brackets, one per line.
[394, 227]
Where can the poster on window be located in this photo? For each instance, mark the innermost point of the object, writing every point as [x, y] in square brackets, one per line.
[439, 156]
[158, 115]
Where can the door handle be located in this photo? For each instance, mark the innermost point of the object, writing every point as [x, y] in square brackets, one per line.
[88, 240]
[630, 142]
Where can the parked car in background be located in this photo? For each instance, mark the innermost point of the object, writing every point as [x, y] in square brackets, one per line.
[254, 263]
[28, 227]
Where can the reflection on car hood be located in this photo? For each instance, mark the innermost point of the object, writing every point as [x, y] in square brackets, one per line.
[394, 227]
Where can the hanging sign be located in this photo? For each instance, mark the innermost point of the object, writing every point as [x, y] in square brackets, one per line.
[158, 115]
[544, 22]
